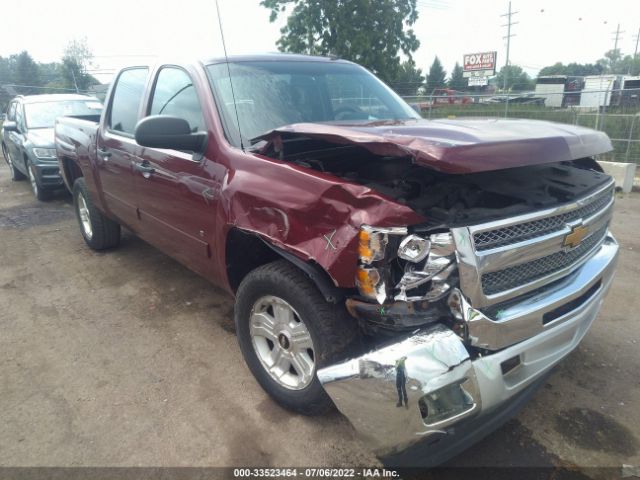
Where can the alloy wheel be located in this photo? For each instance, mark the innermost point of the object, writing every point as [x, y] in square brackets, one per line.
[32, 180]
[85, 218]
[282, 342]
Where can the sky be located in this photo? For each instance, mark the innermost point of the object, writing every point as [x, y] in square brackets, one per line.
[126, 32]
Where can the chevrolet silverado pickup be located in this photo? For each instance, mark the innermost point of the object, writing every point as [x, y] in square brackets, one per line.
[421, 276]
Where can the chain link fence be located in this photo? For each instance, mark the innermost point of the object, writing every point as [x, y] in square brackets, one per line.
[615, 112]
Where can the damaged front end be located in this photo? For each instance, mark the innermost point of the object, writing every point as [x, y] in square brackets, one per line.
[403, 277]
[496, 281]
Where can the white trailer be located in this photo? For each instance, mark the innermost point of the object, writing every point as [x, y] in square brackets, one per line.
[598, 90]
[551, 88]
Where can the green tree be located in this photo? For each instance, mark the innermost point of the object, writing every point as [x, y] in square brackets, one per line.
[612, 61]
[5, 77]
[457, 80]
[408, 79]
[76, 60]
[630, 65]
[572, 69]
[27, 73]
[436, 77]
[369, 32]
[517, 79]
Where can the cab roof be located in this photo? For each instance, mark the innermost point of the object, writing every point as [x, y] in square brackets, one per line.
[274, 57]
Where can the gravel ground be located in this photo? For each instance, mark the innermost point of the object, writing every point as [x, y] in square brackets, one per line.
[126, 358]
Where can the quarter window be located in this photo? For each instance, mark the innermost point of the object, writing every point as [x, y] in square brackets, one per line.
[127, 96]
[174, 94]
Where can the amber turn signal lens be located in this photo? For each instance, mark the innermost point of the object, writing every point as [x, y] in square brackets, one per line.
[367, 279]
[364, 250]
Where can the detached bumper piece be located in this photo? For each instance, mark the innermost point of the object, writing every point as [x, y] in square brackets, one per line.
[427, 386]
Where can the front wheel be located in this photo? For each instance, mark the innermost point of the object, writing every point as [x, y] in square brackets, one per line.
[98, 231]
[39, 191]
[287, 330]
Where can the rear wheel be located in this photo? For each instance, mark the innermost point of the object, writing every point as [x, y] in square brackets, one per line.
[98, 231]
[16, 174]
[287, 330]
[39, 191]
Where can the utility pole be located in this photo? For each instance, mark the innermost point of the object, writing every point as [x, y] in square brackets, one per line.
[617, 34]
[74, 80]
[635, 52]
[509, 24]
[617, 38]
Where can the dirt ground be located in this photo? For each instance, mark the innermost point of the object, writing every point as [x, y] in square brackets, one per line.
[126, 358]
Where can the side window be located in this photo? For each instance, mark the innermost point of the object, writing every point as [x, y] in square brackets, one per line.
[127, 96]
[20, 118]
[11, 113]
[174, 94]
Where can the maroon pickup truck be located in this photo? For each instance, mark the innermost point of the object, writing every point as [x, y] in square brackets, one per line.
[421, 276]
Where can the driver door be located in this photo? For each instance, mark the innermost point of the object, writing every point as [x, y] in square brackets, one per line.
[177, 192]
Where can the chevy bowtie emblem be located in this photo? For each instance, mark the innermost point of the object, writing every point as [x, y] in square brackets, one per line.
[575, 237]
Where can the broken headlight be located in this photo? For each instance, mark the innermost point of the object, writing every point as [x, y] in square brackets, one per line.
[394, 265]
[428, 278]
[414, 248]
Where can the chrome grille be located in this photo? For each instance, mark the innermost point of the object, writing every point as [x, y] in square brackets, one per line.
[504, 236]
[518, 275]
[523, 253]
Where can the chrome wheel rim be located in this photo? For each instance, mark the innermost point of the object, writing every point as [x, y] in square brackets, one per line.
[282, 343]
[32, 179]
[85, 219]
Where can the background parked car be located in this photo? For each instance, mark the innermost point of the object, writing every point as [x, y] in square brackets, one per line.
[27, 136]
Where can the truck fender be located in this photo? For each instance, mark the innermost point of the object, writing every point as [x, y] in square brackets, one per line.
[316, 273]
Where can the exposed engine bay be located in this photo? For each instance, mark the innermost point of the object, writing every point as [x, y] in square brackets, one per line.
[407, 276]
[448, 199]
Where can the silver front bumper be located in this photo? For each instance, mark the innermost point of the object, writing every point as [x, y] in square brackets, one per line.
[444, 385]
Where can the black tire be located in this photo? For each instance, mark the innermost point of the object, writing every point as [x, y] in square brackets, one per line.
[40, 192]
[105, 233]
[16, 175]
[333, 331]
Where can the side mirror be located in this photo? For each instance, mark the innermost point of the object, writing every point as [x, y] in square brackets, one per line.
[166, 131]
[10, 126]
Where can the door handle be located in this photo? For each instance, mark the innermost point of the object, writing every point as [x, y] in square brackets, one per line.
[144, 168]
[104, 154]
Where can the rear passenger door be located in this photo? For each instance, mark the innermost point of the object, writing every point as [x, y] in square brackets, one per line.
[177, 192]
[117, 149]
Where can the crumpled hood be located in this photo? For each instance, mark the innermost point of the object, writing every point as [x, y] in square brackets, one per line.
[462, 145]
[42, 137]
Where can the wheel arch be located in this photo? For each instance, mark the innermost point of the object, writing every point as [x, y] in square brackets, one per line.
[70, 171]
[245, 251]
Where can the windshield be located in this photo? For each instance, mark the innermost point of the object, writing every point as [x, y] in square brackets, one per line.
[273, 94]
[44, 114]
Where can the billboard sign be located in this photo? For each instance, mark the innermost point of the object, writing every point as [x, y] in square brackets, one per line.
[478, 81]
[482, 64]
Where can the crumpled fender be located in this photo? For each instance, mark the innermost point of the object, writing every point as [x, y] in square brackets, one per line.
[311, 215]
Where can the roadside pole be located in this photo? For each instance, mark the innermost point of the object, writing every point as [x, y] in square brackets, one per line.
[509, 23]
